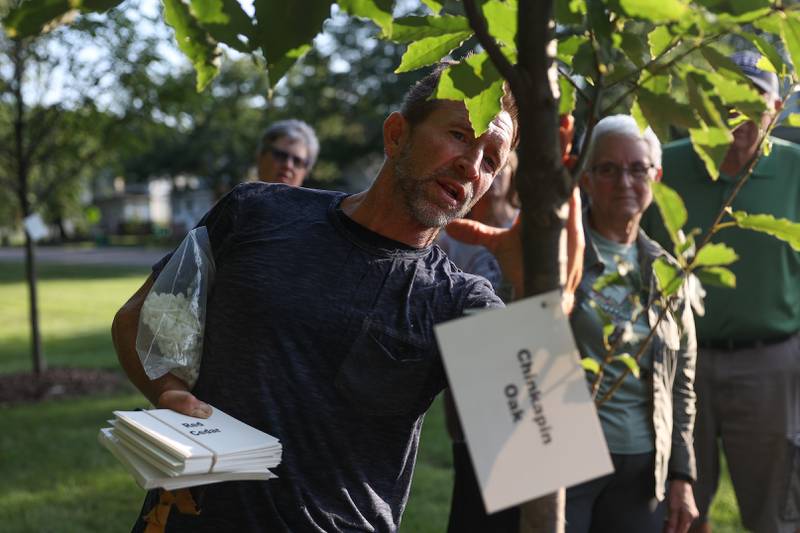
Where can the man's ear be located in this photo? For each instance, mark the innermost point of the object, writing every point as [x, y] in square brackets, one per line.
[659, 174]
[395, 133]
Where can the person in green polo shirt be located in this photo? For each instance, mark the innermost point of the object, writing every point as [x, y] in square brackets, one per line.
[748, 366]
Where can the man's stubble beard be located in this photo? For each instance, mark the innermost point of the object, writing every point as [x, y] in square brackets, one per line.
[414, 194]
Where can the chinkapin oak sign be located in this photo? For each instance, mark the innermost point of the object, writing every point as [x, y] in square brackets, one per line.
[523, 401]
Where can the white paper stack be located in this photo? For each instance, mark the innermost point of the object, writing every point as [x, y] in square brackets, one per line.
[162, 448]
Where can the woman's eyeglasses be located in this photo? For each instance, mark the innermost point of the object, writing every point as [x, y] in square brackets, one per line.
[284, 156]
[612, 171]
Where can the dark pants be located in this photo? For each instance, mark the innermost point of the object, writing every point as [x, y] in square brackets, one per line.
[467, 512]
[622, 502]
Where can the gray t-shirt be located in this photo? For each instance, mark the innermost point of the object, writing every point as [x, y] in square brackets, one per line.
[320, 332]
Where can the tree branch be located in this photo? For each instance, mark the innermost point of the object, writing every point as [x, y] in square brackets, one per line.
[478, 24]
[580, 91]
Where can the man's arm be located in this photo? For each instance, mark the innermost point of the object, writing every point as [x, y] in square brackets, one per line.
[167, 391]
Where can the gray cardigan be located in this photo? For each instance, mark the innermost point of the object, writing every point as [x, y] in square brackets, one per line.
[674, 357]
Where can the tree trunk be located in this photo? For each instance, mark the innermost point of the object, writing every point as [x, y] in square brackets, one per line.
[544, 186]
[39, 364]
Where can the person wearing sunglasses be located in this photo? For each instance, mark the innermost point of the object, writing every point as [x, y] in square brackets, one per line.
[287, 152]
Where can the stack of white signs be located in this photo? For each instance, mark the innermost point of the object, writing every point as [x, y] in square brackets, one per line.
[162, 448]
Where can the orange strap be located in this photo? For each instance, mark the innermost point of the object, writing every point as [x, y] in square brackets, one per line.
[157, 517]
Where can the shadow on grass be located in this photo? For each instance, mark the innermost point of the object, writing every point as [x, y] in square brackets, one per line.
[60, 478]
[15, 272]
[92, 349]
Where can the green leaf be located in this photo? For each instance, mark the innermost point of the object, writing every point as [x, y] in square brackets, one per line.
[590, 365]
[208, 11]
[501, 17]
[630, 362]
[612, 278]
[569, 47]
[770, 24]
[712, 139]
[668, 276]
[638, 116]
[780, 228]
[429, 50]
[30, 17]
[685, 244]
[717, 276]
[659, 39]
[600, 23]
[282, 66]
[738, 93]
[476, 82]
[658, 12]
[659, 84]
[769, 52]
[790, 32]
[238, 32]
[583, 61]
[282, 28]
[608, 329]
[193, 41]
[409, 29]
[605, 319]
[378, 11]
[566, 102]
[793, 119]
[634, 47]
[569, 11]
[711, 145]
[700, 91]
[434, 6]
[715, 254]
[722, 63]
[662, 110]
[97, 6]
[672, 209]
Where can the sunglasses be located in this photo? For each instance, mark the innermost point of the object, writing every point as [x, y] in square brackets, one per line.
[284, 156]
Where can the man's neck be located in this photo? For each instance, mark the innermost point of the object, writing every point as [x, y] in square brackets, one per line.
[378, 209]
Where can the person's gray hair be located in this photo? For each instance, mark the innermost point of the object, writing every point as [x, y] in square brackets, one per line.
[626, 126]
[293, 129]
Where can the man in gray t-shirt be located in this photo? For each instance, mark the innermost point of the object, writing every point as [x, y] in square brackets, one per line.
[319, 326]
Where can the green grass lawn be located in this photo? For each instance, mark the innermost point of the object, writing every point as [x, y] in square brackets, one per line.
[56, 478]
[76, 306]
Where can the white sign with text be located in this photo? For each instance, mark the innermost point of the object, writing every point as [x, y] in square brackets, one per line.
[523, 400]
[35, 226]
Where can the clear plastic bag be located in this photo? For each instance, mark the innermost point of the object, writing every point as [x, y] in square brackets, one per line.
[172, 319]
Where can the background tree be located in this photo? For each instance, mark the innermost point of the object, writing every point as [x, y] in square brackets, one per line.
[52, 130]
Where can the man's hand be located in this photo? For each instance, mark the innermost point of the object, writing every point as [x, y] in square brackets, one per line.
[184, 402]
[682, 510]
[506, 246]
[504, 243]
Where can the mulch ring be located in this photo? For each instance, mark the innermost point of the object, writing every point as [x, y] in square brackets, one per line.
[26, 387]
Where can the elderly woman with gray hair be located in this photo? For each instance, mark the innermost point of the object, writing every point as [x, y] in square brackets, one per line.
[287, 152]
[648, 421]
